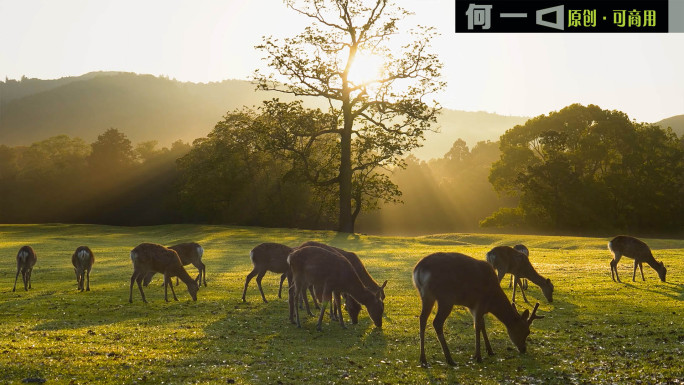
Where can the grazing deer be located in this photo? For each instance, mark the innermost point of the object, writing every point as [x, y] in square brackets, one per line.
[352, 306]
[456, 279]
[630, 247]
[190, 252]
[330, 274]
[83, 259]
[268, 257]
[505, 259]
[26, 259]
[148, 257]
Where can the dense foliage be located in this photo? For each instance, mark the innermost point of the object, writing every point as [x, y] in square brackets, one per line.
[584, 168]
[63, 179]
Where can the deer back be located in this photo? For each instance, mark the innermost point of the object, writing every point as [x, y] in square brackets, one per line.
[632, 248]
[457, 279]
[190, 252]
[271, 256]
[356, 263]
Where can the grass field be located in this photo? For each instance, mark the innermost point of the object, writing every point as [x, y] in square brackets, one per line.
[595, 331]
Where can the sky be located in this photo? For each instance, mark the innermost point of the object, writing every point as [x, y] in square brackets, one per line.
[213, 40]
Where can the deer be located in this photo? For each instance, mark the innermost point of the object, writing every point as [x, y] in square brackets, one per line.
[83, 259]
[26, 259]
[630, 247]
[352, 306]
[506, 259]
[330, 274]
[268, 257]
[457, 279]
[189, 253]
[148, 257]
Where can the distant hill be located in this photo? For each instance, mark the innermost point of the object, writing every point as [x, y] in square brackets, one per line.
[676, 122]
[146, 107]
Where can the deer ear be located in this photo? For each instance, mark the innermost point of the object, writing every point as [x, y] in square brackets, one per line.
[526, 314]
[383, 285]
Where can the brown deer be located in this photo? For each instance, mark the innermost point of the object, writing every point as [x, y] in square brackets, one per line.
[148, 257]
[352, 306]
[26, 259]
[456, 279]
[330, 274]
[630, 247]
[83, 259]
[505, 259]
[268, 257]
[189, 253]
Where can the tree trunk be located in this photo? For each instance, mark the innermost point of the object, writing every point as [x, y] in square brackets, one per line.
[346, 222]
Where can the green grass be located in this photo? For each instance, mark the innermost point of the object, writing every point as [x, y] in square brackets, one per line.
[595, 331]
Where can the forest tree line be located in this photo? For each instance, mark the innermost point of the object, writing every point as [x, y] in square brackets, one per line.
[581, 169]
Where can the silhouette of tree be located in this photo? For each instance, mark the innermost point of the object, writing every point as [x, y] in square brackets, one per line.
[377, 121]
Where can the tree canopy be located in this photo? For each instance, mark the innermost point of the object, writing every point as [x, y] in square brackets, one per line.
[584, 168]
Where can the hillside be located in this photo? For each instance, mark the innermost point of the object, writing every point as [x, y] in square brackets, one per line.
[676, 122]
[156, 108]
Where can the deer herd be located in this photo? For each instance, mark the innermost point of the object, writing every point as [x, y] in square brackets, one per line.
[330, 274]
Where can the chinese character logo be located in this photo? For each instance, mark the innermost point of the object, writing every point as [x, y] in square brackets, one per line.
[480, 15]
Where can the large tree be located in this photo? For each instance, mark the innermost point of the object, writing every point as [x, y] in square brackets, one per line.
[376, 120]
[584, 168]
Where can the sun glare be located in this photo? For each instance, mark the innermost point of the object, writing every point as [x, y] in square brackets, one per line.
[366, 68]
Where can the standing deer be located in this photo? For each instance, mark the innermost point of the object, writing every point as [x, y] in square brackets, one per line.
[268, 257]
[353, 307]
[26, 259]
[148, 257]
[330, 274]
[83, 259]
[631, 247]
[190, 252]
[505, 259]
[456, 279]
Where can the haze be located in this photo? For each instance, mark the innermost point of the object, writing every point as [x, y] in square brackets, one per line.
[213, 40]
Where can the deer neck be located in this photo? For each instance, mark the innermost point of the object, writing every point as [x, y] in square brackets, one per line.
[533, 276]
[184, 276]
[502, 309]
[360, 293]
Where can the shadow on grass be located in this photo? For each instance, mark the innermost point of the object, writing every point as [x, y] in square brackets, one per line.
[673, 290]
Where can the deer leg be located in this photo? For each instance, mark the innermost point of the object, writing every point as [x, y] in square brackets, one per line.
[443, 311]
[27, 279]
[338, 306]
[613, 266]
[130, 296]
[282, 278]
[326, 296]
[510, 283]
[249, 278]
[484, 335]
[258, 280]
[203, 273]
[428, 303]
[291, 303]
[641, 267]
[138, 280]
[478, 327]
[170, 282]
[315, 299]
[176, 281]
[15, 280]
[88, 280]
[522, 291]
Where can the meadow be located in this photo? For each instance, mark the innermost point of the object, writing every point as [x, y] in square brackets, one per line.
[595, 331]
